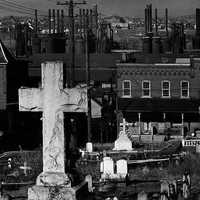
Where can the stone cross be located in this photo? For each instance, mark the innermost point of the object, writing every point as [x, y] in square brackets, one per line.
[26, 168]
[124, 124]
[52, 99]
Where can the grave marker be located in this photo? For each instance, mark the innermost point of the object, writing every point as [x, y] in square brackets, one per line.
[122, 168]
[107, 167]
[52, 99]
[123, 142]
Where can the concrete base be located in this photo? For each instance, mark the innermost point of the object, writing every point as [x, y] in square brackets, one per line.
[53, 179]
[51, 193]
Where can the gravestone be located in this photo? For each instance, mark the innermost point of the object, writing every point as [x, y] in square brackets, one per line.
[107, 167]
[142, 196]
[122, 168]
[123, 142]
[52, 100]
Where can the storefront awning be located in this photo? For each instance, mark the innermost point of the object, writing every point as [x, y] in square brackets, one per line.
[159, 105]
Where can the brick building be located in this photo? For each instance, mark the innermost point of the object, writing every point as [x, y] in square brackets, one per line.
[160, 92]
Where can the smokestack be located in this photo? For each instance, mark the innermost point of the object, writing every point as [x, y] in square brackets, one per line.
[95, 20]
[87, 17]
[54, 21]
[198, 21]
[150, 18]
[80, 20]
[36, 22]
[166, 21]
[62, 21]
[146, 20]
[90, 19]
[49, 21]
[156, 20]
[58, 21]
[84, 22]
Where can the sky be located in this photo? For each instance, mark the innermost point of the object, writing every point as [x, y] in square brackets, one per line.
[132, 8]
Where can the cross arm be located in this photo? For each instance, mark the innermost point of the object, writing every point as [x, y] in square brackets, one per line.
[30, 99]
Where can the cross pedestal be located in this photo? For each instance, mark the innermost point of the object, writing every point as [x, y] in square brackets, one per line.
[52, 99]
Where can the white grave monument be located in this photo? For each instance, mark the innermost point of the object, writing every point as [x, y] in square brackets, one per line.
[107, 168]
[123, 142]
[122, 168]
[52, 99]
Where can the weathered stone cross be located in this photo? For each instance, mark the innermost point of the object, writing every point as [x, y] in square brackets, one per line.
[52, 99]
[25, 168]
[124, 124]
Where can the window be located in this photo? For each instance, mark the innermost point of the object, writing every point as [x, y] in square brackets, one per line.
[146, 89]
[166, 89]
[126, 87]
[184, 89]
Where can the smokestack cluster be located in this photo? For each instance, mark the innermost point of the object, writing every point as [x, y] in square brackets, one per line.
[88, 19]
[153, 43]
[56, 21]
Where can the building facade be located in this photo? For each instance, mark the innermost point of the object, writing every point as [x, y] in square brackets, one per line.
[160, 92]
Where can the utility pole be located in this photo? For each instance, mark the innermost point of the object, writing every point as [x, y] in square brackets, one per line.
[71, 4]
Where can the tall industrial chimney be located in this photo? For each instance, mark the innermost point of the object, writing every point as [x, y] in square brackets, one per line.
[62, 21]
[198, 21]
[49, 21]
[145, 20]
[156, 21]
[58, 21]
[166, 21]
[196, 39]
[95, 20]
[150, 18]
[54, 21]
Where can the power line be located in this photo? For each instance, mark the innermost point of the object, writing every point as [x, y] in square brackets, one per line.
[18, 9]
[17, 5]
[3, 7]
